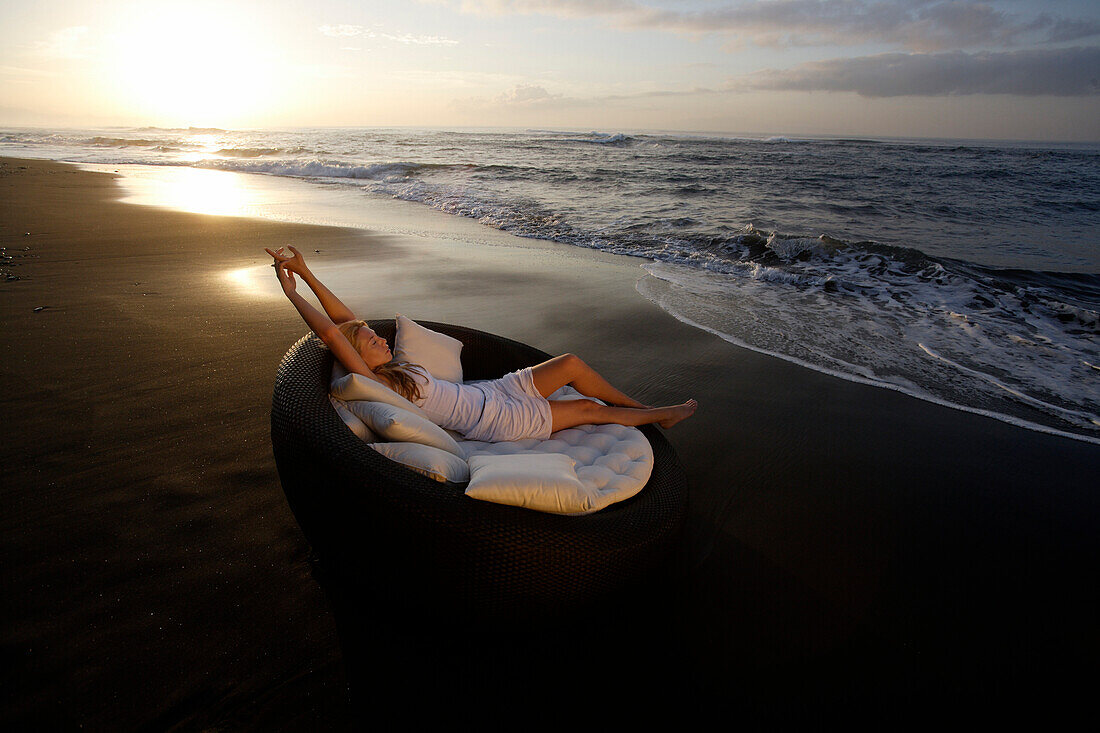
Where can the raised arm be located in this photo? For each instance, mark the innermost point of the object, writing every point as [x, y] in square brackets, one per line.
[295, 262]
[322, 324]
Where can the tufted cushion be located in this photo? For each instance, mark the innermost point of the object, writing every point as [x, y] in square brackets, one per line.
[613, 462]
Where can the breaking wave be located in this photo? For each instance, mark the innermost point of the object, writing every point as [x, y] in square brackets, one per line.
[961, 273]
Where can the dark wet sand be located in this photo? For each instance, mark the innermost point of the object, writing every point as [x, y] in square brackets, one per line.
[851, 552]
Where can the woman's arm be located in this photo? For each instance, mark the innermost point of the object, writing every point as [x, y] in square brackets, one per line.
[322, 325]
[336, 310]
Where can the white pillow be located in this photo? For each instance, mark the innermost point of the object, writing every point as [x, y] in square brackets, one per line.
[432, 462]
[437, 352]
[394, 424]
[351, 387]
[545, 482]
[353, 422]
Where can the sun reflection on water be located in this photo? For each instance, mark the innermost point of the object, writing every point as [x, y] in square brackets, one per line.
[257, 280]
[202, 192]
[207, 147]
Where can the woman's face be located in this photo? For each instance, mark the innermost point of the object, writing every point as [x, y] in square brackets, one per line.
[373, 348]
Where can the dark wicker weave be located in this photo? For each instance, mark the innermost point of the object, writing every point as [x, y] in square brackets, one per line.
[408, 539]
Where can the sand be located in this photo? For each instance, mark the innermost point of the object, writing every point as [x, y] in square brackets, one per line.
[850, 549]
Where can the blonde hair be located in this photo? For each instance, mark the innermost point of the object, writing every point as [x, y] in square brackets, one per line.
[397, 374]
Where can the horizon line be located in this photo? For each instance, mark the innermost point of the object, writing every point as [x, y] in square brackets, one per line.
[801, 136]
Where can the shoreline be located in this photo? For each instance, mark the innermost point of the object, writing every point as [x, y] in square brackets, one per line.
[843, 540]
[1008, 419]
[288, 199]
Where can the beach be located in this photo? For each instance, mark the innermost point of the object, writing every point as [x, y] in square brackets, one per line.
[848, 548]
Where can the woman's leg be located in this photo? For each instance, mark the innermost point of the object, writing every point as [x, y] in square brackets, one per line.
[570, 413]
[550, 376]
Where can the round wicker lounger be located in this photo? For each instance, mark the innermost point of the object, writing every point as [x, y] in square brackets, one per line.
[402, 538]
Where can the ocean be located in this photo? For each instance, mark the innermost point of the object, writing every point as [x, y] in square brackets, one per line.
[965, 273]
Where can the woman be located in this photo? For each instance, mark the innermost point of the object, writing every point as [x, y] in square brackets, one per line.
[509, 408]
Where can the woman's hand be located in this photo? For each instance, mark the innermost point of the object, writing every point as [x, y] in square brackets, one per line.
[286, 277]
[294, 262]
[288, 265]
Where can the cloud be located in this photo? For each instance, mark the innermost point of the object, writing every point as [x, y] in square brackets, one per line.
[1065, 72]
[409, 38]
[349, 31]
[25, 74]
[1055, 72]
[696, 91]
[67, 43]
[526, 94]
[531, 96]
[1062, 29]
[340, 31]
[519, 97]
[913, 24]
[565, 8]
[20, 75]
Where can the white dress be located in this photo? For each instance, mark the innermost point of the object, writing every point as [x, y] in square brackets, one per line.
[509, 408]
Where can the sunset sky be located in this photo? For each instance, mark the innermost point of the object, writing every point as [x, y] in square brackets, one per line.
[911, 68]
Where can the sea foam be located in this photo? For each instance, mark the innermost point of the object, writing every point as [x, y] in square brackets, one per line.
[891, 262]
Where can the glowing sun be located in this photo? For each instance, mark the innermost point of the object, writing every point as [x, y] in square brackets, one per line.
[194, 64]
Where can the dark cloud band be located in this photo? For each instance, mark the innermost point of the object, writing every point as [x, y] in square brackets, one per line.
[924, 25]
[1061, 72]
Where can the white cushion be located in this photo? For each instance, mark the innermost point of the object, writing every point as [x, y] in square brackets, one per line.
[437, 352]
[432, 462]
[612, 461]
[394, 424]
[353, 422]
[544, 482]
[352, 387]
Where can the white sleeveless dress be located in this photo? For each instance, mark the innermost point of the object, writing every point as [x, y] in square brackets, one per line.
[509, 408]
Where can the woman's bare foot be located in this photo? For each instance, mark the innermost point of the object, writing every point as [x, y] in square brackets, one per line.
[679, 412]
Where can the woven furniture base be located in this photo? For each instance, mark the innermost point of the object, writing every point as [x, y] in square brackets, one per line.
[397, 537]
